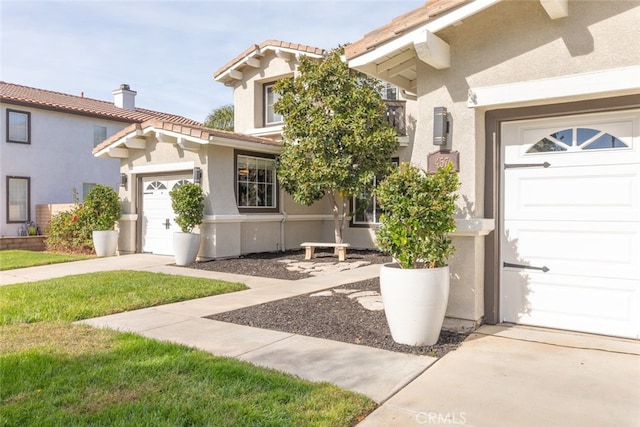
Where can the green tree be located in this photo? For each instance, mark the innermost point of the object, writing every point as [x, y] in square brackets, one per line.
[335, 137]
[220, 118]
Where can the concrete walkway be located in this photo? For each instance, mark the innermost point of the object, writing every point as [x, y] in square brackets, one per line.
[500, 376]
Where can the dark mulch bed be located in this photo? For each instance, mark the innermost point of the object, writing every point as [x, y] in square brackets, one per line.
[266, 264]
[335, 317]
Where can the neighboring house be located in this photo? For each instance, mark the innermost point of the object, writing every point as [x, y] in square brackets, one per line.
[543, 99]
[245, 211]
[47, 148]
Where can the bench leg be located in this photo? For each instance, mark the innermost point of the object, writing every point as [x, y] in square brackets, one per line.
[309, 252]
[342, 254]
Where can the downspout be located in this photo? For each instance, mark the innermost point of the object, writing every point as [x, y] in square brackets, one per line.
[284, 219]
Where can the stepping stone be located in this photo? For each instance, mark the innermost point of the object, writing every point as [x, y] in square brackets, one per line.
[363, 294]
[357, 264]
[372, 303]
[322, 294]
[345, 291]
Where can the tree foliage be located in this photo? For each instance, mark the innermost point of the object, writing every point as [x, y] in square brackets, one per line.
[335, 137]
[221, 118]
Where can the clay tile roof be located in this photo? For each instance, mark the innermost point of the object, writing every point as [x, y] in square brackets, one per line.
[28, 96]
[274, 44]
[399, 25]
[197, 130]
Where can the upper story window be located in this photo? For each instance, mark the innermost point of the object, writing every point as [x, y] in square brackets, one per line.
[255, 183]
[270, 98]
[389, 92]
[18, 198]
[99, 134]
[18, 126]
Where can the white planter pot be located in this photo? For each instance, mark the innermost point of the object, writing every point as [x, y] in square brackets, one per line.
[185, 247]
[415, 301]
[105, 242]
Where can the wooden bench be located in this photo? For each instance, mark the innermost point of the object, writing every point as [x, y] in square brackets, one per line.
[341, 249]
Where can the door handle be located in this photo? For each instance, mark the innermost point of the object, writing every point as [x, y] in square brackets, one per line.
[167, 224]
[544, 268]
[527, 165]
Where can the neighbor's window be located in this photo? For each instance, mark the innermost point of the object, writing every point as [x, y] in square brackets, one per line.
[18, 126]
[86, 188]
[18, 199]
[270, 98]
[365, 206]
[99, 134]
[255, 183]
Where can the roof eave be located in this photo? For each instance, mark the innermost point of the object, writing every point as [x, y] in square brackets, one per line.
[412, 41]
[134, 137]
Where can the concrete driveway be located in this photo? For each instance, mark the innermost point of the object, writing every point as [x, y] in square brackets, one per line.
[519, 376]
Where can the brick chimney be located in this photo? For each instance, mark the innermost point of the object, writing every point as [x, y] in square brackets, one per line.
[124, 97]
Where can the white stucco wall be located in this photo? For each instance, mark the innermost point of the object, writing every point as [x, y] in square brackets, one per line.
[58, 159]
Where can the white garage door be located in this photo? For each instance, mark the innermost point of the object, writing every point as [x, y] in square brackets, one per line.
[570, 249]
[158, 223]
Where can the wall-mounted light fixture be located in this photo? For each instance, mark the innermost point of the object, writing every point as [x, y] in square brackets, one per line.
[197, 175]
[441, 127]
[123, 180]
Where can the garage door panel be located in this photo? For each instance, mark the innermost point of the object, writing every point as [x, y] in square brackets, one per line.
[607, 250]
[583, 193]
[572, 303]
[572, 206]
[158, 224]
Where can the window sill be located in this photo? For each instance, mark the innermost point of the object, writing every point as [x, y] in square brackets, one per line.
[266, 131]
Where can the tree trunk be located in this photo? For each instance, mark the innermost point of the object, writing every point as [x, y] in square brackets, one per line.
[337, 224]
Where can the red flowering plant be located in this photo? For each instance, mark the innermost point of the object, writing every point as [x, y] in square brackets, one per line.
[70, 231]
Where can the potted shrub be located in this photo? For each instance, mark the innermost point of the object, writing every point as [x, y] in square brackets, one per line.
[187, 201]
[102, 210]
[417, 218]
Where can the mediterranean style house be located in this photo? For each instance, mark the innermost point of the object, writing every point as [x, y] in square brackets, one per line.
[536, 102]
[46, 152]
[246, 211]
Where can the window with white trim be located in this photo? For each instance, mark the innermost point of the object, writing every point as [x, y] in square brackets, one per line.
[270, 98]
[366, 211]
[18, 198]
[18, 126]
[255, 183]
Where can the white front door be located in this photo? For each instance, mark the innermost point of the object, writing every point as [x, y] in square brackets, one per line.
[570, 247]
[158, 223]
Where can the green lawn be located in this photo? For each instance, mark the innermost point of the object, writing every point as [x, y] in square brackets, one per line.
[56, 373]
[97, 294]
[10, 259]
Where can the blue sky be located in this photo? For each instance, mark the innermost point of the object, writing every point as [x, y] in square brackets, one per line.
[167, 51]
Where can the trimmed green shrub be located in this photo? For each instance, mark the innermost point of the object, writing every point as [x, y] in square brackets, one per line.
[102, 207]
[417, 217]
[187, 201]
